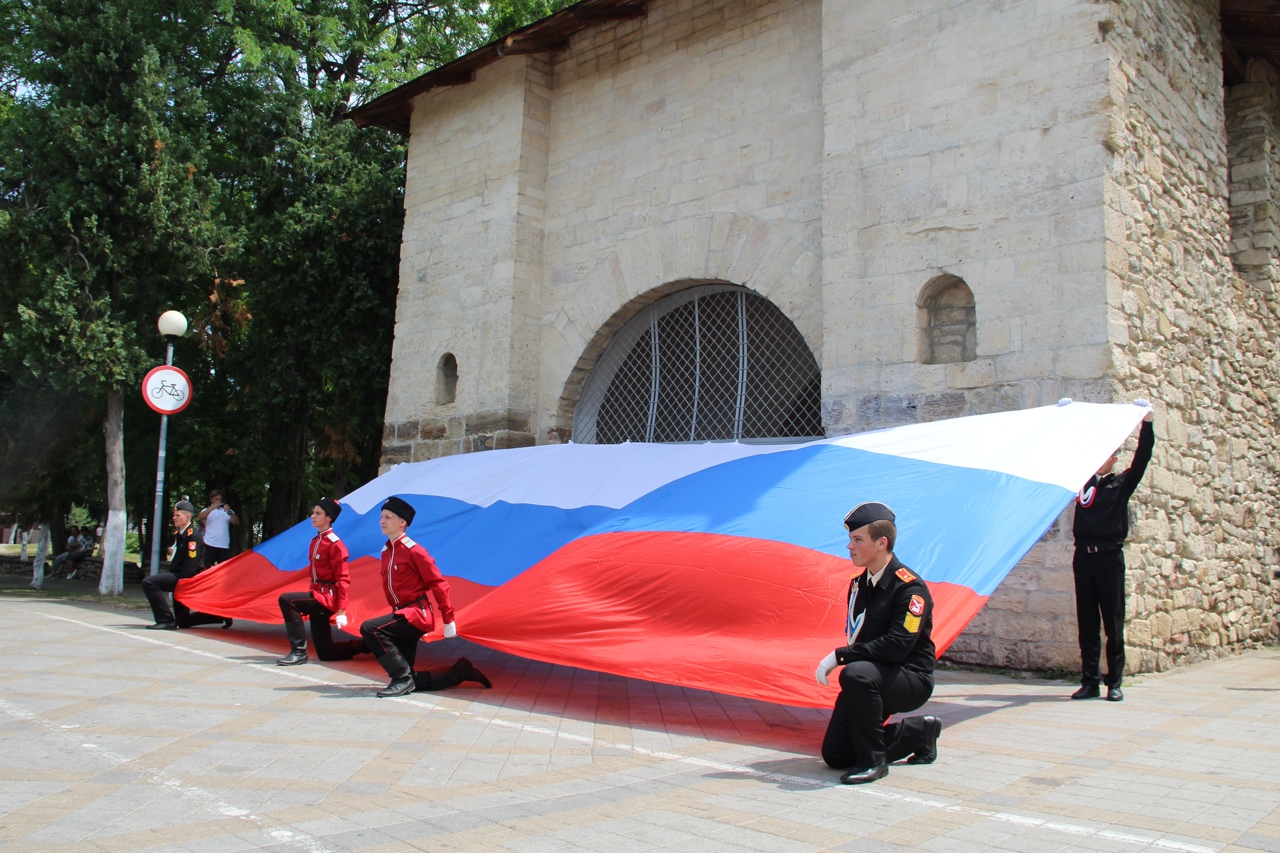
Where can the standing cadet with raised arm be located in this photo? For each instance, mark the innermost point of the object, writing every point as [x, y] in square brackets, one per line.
[1100, 528]
[408, 574]
[327, 598]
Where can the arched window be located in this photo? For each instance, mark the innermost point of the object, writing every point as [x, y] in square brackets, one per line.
[949, 321]
[713, 362]
[446, 379]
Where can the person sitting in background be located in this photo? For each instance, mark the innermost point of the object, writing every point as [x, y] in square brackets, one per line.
[74, 554]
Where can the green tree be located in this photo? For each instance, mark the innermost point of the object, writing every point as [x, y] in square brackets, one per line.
[105, 201]
[195, 156]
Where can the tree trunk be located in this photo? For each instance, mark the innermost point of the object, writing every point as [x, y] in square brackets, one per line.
[42, 554]
[112, 578]
[285, 496]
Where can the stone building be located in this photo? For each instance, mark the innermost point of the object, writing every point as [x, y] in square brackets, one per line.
[679, 220]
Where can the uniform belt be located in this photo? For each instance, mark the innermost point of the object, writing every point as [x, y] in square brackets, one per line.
[1097, 549]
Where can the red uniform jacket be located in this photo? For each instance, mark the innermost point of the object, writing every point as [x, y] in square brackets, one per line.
[330, 577]
[407, 573]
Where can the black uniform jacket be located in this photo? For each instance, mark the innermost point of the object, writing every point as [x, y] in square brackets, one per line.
[1102, 507]
[898, 624]
[187, 548]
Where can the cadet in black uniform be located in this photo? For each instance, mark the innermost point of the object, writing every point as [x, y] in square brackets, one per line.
[1100, 528]
[888, 659]
[186, 563]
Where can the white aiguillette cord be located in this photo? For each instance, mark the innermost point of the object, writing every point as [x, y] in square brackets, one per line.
[851, 625]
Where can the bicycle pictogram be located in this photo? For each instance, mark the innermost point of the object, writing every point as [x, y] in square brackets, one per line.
[170, 388]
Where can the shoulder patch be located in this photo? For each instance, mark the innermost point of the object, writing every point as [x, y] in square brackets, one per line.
[916, 606]
[904, 574]
[409, 543]
[331, 536]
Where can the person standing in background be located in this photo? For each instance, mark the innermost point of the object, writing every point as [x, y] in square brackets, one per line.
[216, 519]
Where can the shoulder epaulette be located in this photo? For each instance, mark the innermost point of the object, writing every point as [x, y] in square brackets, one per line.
[904, 574]
[409, 543]
[331, 536]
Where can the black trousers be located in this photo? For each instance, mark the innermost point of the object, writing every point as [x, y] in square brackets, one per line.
[293, 605]
[383, 634]
[869, 693]
[157, 588]
[393, 633]
[1100, 604]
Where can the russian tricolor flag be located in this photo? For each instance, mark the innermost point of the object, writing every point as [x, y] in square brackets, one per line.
[718, 566]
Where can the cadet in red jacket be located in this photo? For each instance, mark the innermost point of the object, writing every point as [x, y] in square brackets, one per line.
[408, 573]
[327, 598]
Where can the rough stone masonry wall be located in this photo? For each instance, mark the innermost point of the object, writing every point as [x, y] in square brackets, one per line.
[1193, 334]
[1253, 116]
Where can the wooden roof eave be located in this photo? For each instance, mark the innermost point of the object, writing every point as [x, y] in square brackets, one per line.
[1250, 30]
[551, 34]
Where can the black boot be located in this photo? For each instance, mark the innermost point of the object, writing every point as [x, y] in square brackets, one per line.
[928, 751]
[467, 672]
[297, 643]
[401, 675]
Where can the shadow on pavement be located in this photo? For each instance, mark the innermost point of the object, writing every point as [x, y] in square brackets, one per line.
[560, 692]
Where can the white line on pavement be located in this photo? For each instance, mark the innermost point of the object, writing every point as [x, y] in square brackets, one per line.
[1026, 821]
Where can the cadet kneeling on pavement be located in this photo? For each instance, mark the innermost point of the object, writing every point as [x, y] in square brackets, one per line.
[888, 658]
[185, 563]
[410, 579]
[326, 601]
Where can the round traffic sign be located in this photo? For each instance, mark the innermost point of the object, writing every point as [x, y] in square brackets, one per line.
[166, 389]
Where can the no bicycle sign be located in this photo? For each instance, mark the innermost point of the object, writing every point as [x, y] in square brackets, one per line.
[166, 389]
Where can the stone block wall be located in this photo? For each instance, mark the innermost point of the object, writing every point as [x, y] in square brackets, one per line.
[963, 139]
[687, 149]
[1197, 336]
[470, 263]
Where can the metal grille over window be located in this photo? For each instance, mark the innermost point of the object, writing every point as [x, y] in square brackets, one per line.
[710, 363]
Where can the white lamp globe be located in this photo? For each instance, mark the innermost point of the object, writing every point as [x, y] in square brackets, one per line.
[172, 323]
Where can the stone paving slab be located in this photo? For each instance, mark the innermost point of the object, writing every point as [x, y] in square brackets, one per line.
[114, 738]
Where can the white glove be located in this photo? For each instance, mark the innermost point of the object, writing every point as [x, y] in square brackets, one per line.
[824, 669]
[1146, 404]
[340, 620]
[1065, 401]
[450, 630]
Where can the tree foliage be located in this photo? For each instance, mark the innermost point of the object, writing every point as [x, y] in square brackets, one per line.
[163, 154]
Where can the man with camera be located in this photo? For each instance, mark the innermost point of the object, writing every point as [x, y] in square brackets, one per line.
[216, 519]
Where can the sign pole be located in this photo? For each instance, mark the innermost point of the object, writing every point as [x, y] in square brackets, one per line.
[159, 508]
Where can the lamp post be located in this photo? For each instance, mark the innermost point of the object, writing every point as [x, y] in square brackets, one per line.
[173, 326]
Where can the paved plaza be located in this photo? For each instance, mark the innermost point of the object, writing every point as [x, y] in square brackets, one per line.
[119, 738]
